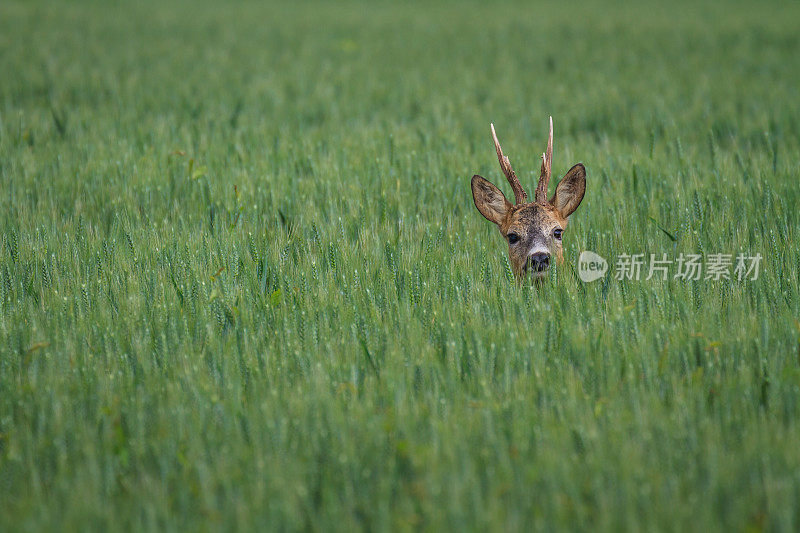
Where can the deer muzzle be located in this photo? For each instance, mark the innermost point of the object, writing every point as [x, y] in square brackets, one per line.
[538, 263]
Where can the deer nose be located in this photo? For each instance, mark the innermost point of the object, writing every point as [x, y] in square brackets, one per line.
[539, 261]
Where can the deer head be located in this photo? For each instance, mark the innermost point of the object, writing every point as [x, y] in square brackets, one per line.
[533, 230]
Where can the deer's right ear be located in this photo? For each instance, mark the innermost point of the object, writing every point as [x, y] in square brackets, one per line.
[570, 190]
[489, 200]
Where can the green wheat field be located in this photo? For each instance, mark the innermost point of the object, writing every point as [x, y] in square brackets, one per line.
[243, 284]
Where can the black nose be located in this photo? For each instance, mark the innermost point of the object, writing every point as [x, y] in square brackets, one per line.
[539, 261]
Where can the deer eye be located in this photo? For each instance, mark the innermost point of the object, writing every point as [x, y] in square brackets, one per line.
[557, 233]
[513, 238]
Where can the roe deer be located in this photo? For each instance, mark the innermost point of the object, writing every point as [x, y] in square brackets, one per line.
[533, 229]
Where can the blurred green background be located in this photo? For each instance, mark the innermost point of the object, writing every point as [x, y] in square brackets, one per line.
[243, 283]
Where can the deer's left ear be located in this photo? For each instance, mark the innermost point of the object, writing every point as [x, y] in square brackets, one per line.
[570, 191]
[490, 201]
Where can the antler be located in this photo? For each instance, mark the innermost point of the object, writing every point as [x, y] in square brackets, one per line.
[547, 164]
[520, 196]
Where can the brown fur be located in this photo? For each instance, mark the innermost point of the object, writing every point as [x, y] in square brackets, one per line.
[533, 222]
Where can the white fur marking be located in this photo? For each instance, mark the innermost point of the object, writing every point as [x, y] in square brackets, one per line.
[539, 249]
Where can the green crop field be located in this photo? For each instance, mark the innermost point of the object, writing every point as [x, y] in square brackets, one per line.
[243, 283]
